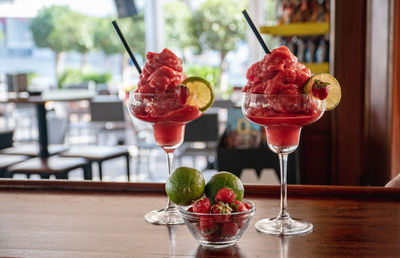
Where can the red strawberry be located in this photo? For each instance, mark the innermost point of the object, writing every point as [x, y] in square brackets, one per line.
[190, 209]
[225, 195]
[229, 229]
[202, 205]
[221, 208]
[182, 93]
[238, 206]
[241, 219]
[214, 237]
[207, 226]
[320, 89]
[248, 205]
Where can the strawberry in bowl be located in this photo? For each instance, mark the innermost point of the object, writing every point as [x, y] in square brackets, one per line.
[219, 225]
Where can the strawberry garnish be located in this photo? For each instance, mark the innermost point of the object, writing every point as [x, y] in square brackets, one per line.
[182, 93]
[320, 89]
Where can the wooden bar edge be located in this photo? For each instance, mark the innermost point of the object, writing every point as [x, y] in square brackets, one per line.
[79, 186]
[315, 191]
[324, 191]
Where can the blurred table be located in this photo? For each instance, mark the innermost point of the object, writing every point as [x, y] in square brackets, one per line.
[98, 219]
[40, 101]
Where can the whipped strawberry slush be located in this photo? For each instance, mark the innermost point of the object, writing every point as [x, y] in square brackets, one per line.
[282, 108]
[164, 101]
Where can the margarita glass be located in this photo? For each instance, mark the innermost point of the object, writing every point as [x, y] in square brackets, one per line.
[283, 117]
[168, 118]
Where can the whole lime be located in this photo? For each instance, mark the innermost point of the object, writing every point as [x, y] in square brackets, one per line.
[185, 185]
[221, 180]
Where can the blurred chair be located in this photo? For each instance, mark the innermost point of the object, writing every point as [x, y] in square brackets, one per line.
[90, 85]
[5, 116]
[201, 139]
[17, 162]
[107, 115]
[56, 128]
[144, 143]
[99, 154]
[76, 111]
[53, 165]
[25, 124]
[9, 160]
[32, 149]
[6, 139]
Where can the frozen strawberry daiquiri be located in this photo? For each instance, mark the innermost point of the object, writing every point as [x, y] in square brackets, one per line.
[168, 100]
[275, 98]
[161, 100]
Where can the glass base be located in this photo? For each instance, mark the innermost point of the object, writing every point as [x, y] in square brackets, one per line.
[285, 227]
[164, 217]
[219, 245]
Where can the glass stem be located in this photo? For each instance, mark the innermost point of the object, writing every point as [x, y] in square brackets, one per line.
[283, 214]
[170, 157]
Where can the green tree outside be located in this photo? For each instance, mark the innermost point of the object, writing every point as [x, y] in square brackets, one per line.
[80, 33]
[63, 30]
[49, 31]
[176, 28]
[219, 26]
[215, 25]
[106, 38]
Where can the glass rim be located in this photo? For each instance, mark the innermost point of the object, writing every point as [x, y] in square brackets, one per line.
[133, 92]
[186, 212]
[281, 95]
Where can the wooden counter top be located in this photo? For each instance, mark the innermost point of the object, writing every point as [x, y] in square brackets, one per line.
[98, 219]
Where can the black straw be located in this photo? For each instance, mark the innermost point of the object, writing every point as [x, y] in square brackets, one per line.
[256, 32]
[126, 46]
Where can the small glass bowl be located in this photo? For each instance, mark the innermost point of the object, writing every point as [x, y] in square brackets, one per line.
[217, 230]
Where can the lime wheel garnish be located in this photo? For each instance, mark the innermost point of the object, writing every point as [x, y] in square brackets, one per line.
[201, 93]
[334, 90]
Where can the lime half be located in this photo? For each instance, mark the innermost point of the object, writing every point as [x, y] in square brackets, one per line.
[201, 92]
[334, 94]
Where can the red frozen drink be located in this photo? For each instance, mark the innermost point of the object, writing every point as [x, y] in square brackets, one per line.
[276, 98]
[164, 100]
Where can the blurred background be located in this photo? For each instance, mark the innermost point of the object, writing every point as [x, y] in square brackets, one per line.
[66, 42]
[71, 44]
[57, 43]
